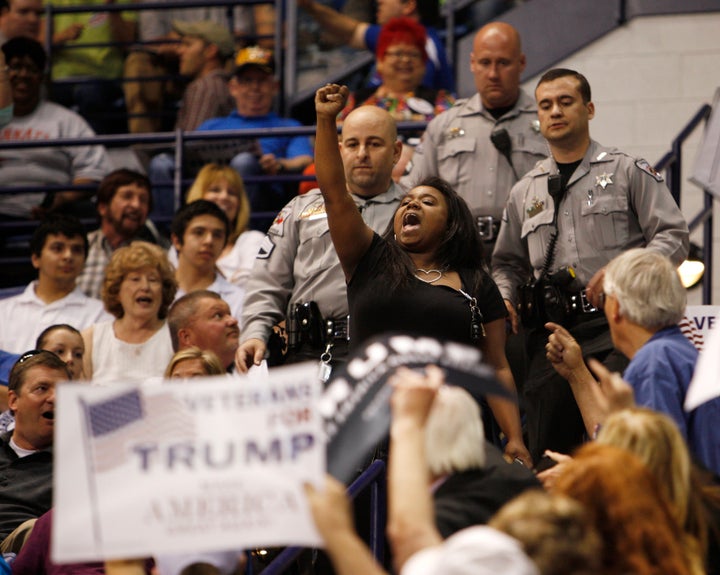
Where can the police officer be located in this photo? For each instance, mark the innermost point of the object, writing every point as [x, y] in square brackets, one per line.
[565, 220]
[298, 276]
[484, 144]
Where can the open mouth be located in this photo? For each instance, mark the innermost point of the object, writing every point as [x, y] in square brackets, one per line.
[410, 221]
[144, 300]
[49, 415]
[134, 216]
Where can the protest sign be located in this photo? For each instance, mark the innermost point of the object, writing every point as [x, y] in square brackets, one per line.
[705, 384]
[356, 403]
[211, 464]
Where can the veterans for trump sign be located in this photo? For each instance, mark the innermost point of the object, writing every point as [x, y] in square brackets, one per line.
[212, 464]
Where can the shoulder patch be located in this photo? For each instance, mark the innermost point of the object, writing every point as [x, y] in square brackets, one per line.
[277, 228]
[648, 169]
[266, 248]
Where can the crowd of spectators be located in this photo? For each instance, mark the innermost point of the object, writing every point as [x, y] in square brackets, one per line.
[458, 233]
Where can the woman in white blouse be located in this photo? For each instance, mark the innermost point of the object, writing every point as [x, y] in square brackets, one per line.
[138, 288]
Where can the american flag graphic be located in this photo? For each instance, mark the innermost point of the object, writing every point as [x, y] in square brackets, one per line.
[694, 335]
[117, 423]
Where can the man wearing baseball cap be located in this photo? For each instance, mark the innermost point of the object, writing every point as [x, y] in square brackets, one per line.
[253, 87]
[204, 50]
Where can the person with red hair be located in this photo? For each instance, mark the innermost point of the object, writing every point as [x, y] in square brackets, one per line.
[401, 59]
[639, 531]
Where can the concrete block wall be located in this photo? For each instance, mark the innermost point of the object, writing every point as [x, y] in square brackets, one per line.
[648, 79]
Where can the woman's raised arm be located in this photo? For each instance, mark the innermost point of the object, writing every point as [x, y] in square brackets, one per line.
[350, 235]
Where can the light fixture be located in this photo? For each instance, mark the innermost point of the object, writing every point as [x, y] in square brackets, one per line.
[692, 269]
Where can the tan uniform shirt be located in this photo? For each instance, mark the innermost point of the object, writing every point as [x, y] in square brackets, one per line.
[457, 147]
[613, 202]
[297, 262]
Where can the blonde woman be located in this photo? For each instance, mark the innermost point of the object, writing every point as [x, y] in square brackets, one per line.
[138, 288]
[223, 186]
[656, 440]
[193, 362]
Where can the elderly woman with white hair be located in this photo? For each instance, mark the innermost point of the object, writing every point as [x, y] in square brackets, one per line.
[470, 478]
[643, 301]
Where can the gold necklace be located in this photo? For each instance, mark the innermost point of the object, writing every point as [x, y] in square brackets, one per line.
[431, 276]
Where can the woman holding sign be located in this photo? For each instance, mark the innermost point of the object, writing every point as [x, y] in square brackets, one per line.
[425, 274]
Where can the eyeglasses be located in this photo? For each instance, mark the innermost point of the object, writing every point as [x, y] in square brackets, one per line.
[401, 54]
[18, 67]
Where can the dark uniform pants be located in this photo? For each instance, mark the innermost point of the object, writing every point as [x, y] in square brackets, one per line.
[553, 417]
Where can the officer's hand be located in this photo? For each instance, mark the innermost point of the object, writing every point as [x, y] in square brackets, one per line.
[595, 287]
[513, 315]
[330, 100]
[250, 352]
[563, 351]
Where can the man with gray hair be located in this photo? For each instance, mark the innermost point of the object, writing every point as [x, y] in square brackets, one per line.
[643, 301]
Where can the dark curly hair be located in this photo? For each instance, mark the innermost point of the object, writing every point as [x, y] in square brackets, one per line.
[460, 248]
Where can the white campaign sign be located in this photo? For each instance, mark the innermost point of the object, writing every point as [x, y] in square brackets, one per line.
[207, 465]
[705, 384]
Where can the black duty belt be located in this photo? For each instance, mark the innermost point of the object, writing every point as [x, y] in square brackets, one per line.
[579, 302]
[306, 326]
[488, 228]
[337, 329]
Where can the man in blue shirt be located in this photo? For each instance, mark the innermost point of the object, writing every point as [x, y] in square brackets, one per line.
[253, 86]
[643, 301]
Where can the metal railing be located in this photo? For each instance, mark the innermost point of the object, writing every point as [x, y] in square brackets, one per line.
[175, 142]
[671, 163]
[372, 478]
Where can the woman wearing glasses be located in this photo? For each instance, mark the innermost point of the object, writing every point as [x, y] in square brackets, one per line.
[401, 59]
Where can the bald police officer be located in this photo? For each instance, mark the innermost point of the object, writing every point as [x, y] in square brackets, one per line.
[484, 144]
[297, 276]
[565, 220]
